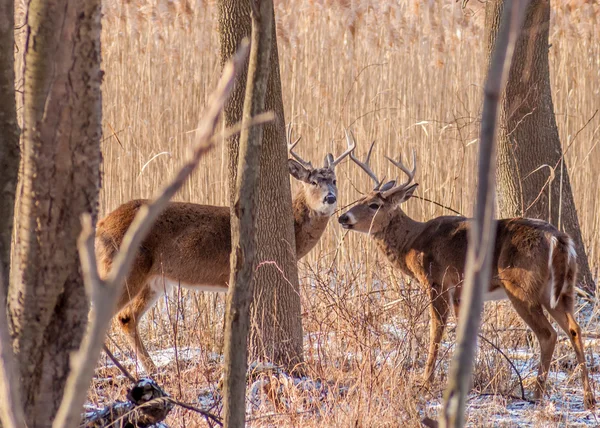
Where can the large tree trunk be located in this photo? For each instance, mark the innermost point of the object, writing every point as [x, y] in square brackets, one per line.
[61, 176]
[528, 144]
[276, 319]
[9, 135]
[243, 220]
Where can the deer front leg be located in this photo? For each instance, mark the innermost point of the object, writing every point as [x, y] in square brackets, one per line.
[439, 309]
[129, 318]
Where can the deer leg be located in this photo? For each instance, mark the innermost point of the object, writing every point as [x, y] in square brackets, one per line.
[533, 315]
[456, 306]
[567, 322]
[129, 318]
[439, 309]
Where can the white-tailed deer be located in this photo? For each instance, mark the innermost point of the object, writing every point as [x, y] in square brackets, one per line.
[189, 245]
[534, 266]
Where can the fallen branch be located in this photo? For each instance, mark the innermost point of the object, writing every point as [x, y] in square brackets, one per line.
[207, 415]
[104, 293]
[147, 405]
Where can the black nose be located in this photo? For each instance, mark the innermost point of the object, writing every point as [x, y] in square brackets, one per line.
[330, 199]
[343, 218]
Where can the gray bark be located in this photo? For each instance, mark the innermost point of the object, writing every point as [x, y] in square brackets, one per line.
[244, 219]
[528, 143]
[277, 326]
[60, 181]
[9, 135]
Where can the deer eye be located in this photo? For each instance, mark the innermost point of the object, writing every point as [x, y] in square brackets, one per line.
[374, 206]
[314, 183]
[335, 182]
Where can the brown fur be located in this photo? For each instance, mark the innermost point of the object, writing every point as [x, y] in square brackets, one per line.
[532, 260]
[309, 224]
[190, 244]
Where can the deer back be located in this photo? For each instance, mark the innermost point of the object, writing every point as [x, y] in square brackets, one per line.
[189, 243]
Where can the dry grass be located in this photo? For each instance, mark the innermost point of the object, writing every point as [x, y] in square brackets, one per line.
[408, 75]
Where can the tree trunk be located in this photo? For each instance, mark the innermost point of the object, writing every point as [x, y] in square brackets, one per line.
[243, 220]
[482, 233]
[276, 319]
[9, 135]
[61, 176]
[529, 149]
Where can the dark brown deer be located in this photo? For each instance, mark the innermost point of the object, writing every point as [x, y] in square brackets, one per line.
[534, 266]
[189, 245]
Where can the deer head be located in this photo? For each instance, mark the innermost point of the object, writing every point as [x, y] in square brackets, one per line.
[372, 213]
[320, 185]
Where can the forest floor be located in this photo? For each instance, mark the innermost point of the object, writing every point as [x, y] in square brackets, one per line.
[275, 398]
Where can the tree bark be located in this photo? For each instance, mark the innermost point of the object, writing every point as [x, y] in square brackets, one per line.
[482, 231]
[60, 181]
[533, 180]
[277, 326]
[9, 135]
[243, 219]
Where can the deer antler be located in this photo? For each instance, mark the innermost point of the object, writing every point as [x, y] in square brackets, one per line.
[331, 163]
[291, 146]
[364, 165]
[410, 173]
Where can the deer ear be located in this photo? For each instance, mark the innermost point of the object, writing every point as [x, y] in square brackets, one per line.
[403, 195]
[387, 186]
[298, 171]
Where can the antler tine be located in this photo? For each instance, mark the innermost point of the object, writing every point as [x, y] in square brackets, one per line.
[290, 147]
[351, 146]
[409, 173]
[365, 165]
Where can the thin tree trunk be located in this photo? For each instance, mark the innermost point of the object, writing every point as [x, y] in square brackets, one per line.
[243, 220]
[11, 411]
[276, 322]
[482, 233]
[9, 135]
[533, 180]
[61, 177]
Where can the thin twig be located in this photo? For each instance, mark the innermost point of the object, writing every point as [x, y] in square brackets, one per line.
[118, 364]
[509, 362]
[207, 415]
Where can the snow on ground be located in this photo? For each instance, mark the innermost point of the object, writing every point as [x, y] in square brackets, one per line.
[564, 406]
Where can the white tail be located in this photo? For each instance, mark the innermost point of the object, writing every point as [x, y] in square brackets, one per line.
[534, 266]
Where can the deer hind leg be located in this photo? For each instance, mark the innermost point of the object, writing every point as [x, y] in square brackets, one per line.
[439, 310]
[129, 319]
[533, 315]
[566, 321]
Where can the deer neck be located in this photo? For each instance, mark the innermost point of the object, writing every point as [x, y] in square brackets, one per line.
[396, 239]
[309, 225]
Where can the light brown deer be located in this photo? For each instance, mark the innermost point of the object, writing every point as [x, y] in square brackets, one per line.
[534, 266]
[189, 245]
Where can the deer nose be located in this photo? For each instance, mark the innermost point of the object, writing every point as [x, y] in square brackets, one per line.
[343, 218]
[330, 199]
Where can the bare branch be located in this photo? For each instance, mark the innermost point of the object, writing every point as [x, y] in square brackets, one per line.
[104, 293]
[483, 232]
